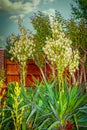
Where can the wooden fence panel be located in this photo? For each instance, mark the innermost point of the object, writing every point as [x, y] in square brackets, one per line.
[2, 51]
[12, 72]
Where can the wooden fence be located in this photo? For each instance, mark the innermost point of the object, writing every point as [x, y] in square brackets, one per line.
[2, 52]
[12, 72]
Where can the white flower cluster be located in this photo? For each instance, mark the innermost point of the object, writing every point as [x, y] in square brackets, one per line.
[22, 48]
[58, 49]
[74, 61]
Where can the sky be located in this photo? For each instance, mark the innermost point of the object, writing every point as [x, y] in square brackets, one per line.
[11, 9]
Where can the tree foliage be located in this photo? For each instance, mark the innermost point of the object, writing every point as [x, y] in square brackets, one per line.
[41, 24]
[78, 34]
[77, 29]
[80, 10]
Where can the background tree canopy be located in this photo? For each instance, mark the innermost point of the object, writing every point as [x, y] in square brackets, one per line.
[80, 10]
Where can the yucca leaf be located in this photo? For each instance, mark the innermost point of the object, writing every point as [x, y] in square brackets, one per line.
[45, 115]
[31, 114]
[76, 123]
[7, 125]
[85, 112]
[42, 124]
[7, 119]
[50, 89]
[54, 112]
[82, 122]
[53, 125]
[24, 126]
[80, 101]
[24, 106]
[83, 108]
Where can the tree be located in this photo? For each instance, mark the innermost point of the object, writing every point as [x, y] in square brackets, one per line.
[42, 28]
[77, 31]
[80, 10]
[41, 24]
[78, 34]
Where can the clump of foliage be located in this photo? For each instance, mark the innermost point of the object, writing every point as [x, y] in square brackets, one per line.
[76, 29]
[42, 27]
[79, 10]
[57, 111]
[78, 34]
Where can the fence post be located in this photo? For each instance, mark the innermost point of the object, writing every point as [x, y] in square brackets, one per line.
[2, 57]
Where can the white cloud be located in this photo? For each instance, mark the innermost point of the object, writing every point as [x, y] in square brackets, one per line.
[18, 7]
[50, 13]
[15, 17]
[46, 1]
[36, 3]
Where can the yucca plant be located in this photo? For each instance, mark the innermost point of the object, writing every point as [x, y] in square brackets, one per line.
[57, 109]
[47, 109]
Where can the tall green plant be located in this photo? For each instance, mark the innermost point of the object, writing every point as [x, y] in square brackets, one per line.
[58, 50]
[17, 111]
[2, 104]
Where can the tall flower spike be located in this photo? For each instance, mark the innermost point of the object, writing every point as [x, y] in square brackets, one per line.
[58, 50]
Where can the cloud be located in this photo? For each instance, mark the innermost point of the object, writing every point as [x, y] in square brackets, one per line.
[36, 3]
[18, 7]
[52, 0]
[15, 17]
[46, 1]
[1, 38]
[50, 12]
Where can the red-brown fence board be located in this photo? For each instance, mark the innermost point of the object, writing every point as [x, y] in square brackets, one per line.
[11, 78]
[2, 51]
[32, 69]
[12, 72]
